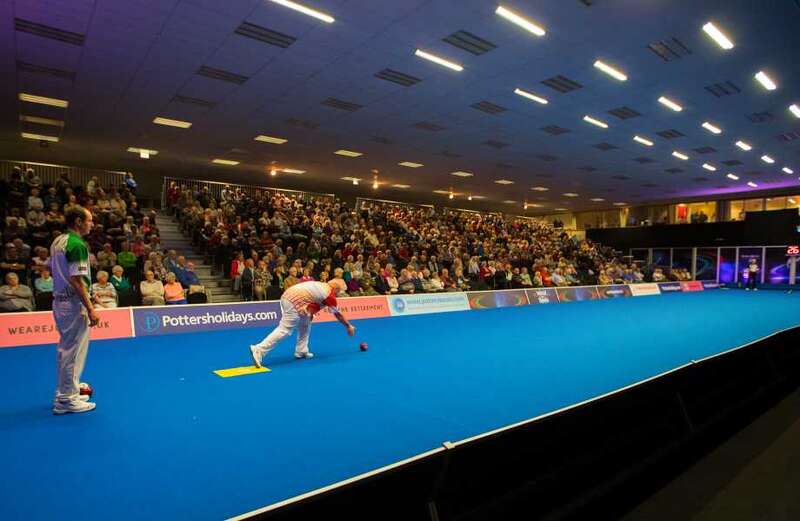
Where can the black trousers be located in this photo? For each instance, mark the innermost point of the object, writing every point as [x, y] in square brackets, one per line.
[752, 279]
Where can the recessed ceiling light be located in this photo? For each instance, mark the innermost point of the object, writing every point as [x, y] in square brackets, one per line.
[461, 174]
[611, 71]
[442, 192]
[597, 199]
[643, 141]
[680, 155]
[765, 80]
[570, 194]
[509, 201]
[752, 184]
[722, 40]
[711, 128]
[709, 167]
[744, 146]
[478, 196]
[40, 137]
[561, 209]
[540, 188]
[292, 171]
[43, 100]
[531, 96]
[767, 159]
[792, 201]
[504, 182]
[441, 61]
[41, 121]
[270, 139]
[409, 164]
[520, 21]
[400, 186]
[733, 176]
[795, 110]
[225, 162]
[172, 122]
[349, 178]
[348, 153]
[620, 204]
[144, 153]
[787, 170]
[595, 122]
[669, 103]
[305, 10]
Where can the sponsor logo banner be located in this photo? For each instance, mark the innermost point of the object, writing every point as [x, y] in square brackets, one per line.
[578, 294]
[427, 303]
[167, 320]
[357, 308]
[615, 291]
[497, 299]
[641, 290]
[542, 296]
[669, 287]
[26, 329]
[694, 285]
[710, 285]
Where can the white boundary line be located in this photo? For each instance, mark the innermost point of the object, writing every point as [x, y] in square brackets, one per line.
[451, 445]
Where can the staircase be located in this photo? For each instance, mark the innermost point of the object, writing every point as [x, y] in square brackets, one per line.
[218, 288]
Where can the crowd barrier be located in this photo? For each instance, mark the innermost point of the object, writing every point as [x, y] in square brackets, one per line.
[37, 328]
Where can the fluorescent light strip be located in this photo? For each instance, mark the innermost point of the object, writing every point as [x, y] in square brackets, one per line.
[520, 21]
[611, 71]
[733, 176]
[597, 199]
[744, 146]
[795, 109]
[171, 122]
[717, 35]
[534, 97]
[40, 137]
[787, 170]
[145, 150]
[792, 201]
[305, 10]
[752, 184]
[348, 153]
[643, 141]
[43, 100]
[292, 171]
[570, 194]
[595, 122]
[270, 139]
[709, 167]
[765, 158]
[461, 174]
[680, 155]
[620, 204]
[225, 162]
[711, 128]
[504, 182]
[669, 103]
[540, 189]
[440, 61]
[41, 121]
[765, 80]
[510, 201]
[409, 164]
[401, 186]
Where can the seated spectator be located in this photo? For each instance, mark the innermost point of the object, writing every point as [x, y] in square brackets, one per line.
[292, 279]
[40, 262]
[44, 282]
[155, 265]
[557, 278]
[106, 259]
[103, 293]
[306, 275]
[173, 291]
[120, 282]
[14, 296]
[34, 201]
[658, 275]
[126, 258]
[436, 283]
[236, 271]
[366, 287]
[152, 290]
[525, 278]
[261, 280]
[12, 263]
[338, 282]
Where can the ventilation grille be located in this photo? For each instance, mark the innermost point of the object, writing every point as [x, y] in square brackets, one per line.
[760, 117]
[723, 89]
[397, 77]
[193, 101]
[488, 107]
[451, 155]
[547, 157]
[555, 130]
[341, 105]
[670, 134]
[669, 49]
[382, 140]
[732, 162]
[621, 177]
[469, 42]
[705, 150]
[588, 168]
[302, 123]
[495, 144]
[48, 71]
[624, 113]
[644, 160]
[427, 125]
[605, 147]
[45, 31]
[562, 84]
[218, 74]
[790, 136]
[262, 34]
[673, 170]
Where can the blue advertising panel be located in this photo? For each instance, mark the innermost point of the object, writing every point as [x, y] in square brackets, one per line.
[167, 320]
[706, 264]
[727, 265]
[776, 266]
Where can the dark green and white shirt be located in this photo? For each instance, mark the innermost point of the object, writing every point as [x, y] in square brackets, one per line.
[69, 257]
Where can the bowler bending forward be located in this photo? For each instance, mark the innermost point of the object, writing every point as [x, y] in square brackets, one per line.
[299, 304]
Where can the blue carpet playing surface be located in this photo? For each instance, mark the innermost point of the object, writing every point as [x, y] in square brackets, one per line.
[171, 439]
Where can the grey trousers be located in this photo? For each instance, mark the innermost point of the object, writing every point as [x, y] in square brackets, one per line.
[72, 323]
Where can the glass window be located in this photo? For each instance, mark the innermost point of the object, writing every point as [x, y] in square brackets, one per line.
[736, 210]
[793, 201]
[776, 203]
[754, 205]
[703, 212]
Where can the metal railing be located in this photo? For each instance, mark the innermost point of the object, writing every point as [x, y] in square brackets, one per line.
[49, 173]
[215, 188]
